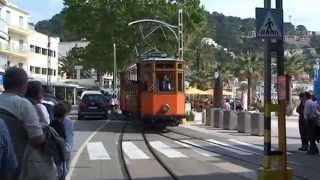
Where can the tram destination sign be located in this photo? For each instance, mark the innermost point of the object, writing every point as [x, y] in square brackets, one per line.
[269, 23]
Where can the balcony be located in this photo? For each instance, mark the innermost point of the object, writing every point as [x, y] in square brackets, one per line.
[21, 30]
[3, 29]
[14, 50]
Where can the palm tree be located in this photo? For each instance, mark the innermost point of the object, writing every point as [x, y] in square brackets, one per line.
[294, 66]
[249, 66]
[68, 63]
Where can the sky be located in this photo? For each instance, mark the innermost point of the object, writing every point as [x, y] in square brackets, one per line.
[301, 11]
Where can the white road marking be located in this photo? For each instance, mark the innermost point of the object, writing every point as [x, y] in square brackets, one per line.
[133, 152]
[166, 150]
[230, 147]
[75, 159]
[97, 151]
[197, 150]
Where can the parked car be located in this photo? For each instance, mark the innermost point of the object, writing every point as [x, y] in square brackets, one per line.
[93, 104]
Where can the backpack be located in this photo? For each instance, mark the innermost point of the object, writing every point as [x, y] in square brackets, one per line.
[18, 134]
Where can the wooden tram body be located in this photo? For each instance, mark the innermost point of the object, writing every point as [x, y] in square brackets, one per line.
[153, 90]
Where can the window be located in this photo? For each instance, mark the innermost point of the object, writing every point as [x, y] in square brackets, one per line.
[54, 53]
[44, 51]
[37, 70]
[44, 70]
[8, 17]
[180, 82]
[38, 49]
[21, 21]
[50, 53]
[20, 65]
[165, 81]
[50, 72]
[180, 66]
[21, 45]
[54, 72]
[32, 48]
[32, 69]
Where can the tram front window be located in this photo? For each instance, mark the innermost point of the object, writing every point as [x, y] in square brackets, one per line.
[165, 82]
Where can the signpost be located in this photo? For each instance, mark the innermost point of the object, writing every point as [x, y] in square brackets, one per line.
[269, 23]
[269, 26]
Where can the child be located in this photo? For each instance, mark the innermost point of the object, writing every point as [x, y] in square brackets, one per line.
[68, 126]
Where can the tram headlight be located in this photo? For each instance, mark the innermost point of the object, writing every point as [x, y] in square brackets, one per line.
[165, 108]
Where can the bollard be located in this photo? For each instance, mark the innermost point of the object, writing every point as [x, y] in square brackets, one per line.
[204, 116]
[217, 118]
[257, 124]
[229, 120]
[209, 118]
[244, 122]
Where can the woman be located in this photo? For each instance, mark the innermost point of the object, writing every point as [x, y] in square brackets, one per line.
[35, 94]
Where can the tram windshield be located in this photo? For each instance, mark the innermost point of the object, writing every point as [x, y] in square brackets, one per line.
[165, 81]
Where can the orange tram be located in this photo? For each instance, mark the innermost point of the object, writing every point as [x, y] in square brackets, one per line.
[153, 90]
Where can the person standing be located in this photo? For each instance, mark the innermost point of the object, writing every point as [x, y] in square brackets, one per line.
[19, 114]
[35, 95]
[68, 126]
[310, 114]
[303, 126]
[8, 161]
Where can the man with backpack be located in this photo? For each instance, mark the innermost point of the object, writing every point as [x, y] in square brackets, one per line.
[19, 114]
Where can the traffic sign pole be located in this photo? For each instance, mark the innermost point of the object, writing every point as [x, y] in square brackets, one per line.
[270, 27]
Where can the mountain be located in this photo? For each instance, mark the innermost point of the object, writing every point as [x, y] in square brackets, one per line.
[55, 27]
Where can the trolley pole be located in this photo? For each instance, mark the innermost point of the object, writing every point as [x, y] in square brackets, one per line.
[273, 39]
[114, 68]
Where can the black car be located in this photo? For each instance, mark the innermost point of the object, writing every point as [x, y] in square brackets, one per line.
[93, 104]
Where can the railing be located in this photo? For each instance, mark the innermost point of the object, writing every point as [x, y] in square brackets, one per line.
[14, 47]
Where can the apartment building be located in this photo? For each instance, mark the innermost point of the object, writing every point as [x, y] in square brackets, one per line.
[22, 46]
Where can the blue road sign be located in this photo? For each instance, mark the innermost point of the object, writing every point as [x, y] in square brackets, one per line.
[269, 23]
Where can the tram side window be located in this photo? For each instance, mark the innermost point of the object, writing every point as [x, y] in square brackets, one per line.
[165, 81]
[180, 82]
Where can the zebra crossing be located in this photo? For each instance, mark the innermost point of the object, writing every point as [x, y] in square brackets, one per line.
[134, 150]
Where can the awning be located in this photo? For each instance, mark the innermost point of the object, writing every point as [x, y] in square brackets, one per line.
[195, 91]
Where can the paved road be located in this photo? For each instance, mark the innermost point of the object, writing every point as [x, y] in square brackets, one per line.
[224, 155]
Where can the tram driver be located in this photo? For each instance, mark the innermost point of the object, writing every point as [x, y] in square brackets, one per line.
[164, 84]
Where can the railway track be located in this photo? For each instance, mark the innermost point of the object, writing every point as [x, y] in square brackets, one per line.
[226, 154]
[124, 166]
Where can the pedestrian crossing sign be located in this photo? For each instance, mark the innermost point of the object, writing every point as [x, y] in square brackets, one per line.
[269, 23]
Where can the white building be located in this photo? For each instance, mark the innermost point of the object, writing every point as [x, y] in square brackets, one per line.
[65, 47]
[22, 46]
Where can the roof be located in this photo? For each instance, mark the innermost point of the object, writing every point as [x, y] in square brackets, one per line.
[90, 92]
[160, 59]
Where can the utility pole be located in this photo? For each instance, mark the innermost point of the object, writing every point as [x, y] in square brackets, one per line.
[273, 38]
[49, 63]
[114, 69]
[180, 34]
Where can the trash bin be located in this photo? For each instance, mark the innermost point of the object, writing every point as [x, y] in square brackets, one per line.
[229, 120]
[217, 118]
[244, 122]
[257, 124]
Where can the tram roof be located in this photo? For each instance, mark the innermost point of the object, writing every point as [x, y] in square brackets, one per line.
[160, 59]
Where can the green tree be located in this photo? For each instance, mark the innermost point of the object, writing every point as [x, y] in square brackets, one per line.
[294, 66]
[67, 64]
[106, 22]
